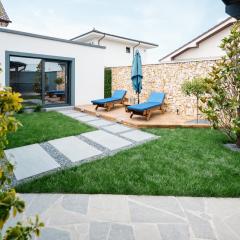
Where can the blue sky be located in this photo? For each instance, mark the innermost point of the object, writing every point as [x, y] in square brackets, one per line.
[169, 23]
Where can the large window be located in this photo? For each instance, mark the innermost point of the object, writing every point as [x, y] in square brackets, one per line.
[40, 81]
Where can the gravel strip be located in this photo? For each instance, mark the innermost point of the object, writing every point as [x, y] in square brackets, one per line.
[58, 156]
[96, 145]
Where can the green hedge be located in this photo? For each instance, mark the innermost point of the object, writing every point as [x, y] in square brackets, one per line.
[107, 83]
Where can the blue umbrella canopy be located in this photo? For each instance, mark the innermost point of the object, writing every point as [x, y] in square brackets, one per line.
[136, 75]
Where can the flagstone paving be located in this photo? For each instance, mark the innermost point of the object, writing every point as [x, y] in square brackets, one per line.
[38, 159]
[115, 217]
[118, 217]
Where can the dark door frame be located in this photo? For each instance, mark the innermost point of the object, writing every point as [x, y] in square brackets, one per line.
[70, 94]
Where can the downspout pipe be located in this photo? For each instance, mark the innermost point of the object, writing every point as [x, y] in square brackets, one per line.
[135, 47]
[100, 39]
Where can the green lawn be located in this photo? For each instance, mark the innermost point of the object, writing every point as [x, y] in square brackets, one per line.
[43, 126]
[183, 162]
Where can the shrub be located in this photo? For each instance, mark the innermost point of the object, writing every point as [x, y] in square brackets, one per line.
[38, 108]
[195, 87]
[107, 83]
[10, 102]
[223, 99]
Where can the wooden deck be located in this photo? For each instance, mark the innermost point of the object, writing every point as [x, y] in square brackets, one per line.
[158, 119]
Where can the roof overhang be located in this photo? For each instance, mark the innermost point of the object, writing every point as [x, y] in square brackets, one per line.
[196, 41]
[94, 34]
[233, 8]
[32, 35]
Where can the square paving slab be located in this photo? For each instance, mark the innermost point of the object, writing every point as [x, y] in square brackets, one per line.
[67, 112]
[86, 118]
[117, 128]
[74, 148]
[138, 136]
[107, 140]
[101, 123]
[30, 160]
[75, 114]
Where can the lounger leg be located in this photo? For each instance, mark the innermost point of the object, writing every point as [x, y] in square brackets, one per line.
[109, 106]
[131, 115]
[149, 115]
[96, 108]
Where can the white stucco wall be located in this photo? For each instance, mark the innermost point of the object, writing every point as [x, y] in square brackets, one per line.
[115, 53]
[208, 49]
[89, 64]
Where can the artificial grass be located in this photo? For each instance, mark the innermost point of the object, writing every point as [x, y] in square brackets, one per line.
[43, 126]
[182, 162]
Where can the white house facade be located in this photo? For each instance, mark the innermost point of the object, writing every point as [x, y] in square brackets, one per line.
[119, 50]
[51, 71]
[203, 47]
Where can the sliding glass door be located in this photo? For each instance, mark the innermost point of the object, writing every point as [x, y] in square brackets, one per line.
[55, 82]
[40, 81]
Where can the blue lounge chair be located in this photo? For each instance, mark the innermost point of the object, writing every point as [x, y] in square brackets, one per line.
[153, 103]
[108, 103]
[57, 93]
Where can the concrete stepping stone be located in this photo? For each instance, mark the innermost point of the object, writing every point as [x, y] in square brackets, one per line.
[67, 112]
[138, 136]
[30, 160]
[107, 140]
[100, 123]
[76, 114]
[117, 128]
[74, 148]
[86, 118]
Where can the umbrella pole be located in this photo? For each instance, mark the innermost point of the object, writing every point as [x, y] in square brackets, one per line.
[138, 98]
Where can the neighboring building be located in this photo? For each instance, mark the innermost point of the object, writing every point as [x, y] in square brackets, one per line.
[51, 71]
[203, 47]
[4, 19]
[119, 50]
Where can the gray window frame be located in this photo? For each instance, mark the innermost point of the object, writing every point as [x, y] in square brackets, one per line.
[71, 64]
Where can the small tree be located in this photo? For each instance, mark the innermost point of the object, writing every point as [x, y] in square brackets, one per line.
[223, 99]
[196, 88]
[10, 103]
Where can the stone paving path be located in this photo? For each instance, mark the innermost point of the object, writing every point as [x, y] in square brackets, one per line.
[117, 217]
[38, 159]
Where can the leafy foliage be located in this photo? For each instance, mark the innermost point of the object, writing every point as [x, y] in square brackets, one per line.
[195, 87]
[107, 83]
[10, 102]
[223, 94]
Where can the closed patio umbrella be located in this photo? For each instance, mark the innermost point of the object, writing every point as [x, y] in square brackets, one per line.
[136, 75]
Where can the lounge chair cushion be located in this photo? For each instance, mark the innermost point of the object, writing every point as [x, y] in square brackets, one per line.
[105, 100]
[155, 99]
[57, 92]
[117, 95]
[143, 106]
